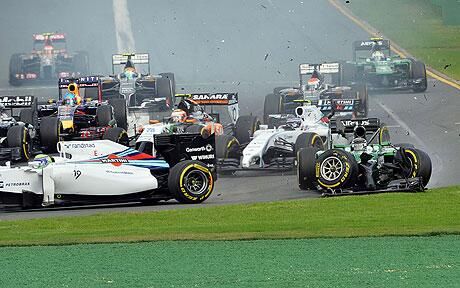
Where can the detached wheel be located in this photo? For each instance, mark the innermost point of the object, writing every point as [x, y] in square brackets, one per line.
[104, 115]
[309, 139]
[418, 71]
[336, 169]
[117, 135]
[120, 113]
[18, 136]
[272, 105]
[306, 162]
[420, 164]
[227, 147]
[190, 182]
[245, 127]
[50, 128]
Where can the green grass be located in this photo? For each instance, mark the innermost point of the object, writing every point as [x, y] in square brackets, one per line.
[417, 26]
[351, 262]
[433, 212]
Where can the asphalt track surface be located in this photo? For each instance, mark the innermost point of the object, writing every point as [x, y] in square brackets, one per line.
[244, 46]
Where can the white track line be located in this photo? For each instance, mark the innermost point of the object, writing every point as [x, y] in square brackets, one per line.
[123, 30]
[402, 124]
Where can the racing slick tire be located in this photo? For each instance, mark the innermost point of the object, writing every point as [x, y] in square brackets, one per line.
[164, 89]
[104, 115]
[418, 71]
[363, 96]
[18, 136]
[306, 162]
[15, 68]
[190, 182]
[420, 164]
[272, 105]
[336, 169]
[384, 136]
[245, 127]
[50, 129]
[120, 112]
[405, 145]
[81, 62]
[277, 90]
[308, 139]
[227, 147]
[117, 135]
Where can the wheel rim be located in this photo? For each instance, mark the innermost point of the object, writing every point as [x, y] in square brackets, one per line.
[331, 168]
[196, 182]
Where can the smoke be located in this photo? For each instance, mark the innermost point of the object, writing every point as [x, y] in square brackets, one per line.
[123, 30]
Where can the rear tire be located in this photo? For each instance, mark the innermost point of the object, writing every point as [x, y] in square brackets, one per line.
[15, 68]
[120, 113]
[272, 105]
[50, 128]
[245, 128]
[419, 72]
[18, 136]
[363, 96]
[117, 135]
[306, 162]
[164, 89]
[104, 114]
[190, 182]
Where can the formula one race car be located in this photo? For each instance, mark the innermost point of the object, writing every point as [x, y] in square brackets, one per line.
[368, 164]
[142, 92]
[276, 148]
[319, 83]
[381, 70]
[17, 130]
[196, 113]
[48, 61]
[79, 116]
[102, 171]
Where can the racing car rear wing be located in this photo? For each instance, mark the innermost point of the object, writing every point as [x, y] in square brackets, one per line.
[368, 45]
[17, 101]
[216, 99]
[341, 105]
[135, 58]
[324, 68]
[348, 124]
[82, 82]
[54, 37]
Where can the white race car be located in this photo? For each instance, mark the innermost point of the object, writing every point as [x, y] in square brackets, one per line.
[276, 148]
[102, 171]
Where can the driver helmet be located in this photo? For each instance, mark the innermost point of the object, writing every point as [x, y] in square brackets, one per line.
[178, 116]
[359, 144]
[129, 71]
[314, 82]
[189, 106]
[41, 161]
[378, 55]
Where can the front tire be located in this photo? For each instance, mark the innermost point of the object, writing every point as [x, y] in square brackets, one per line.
[50, 128]
[120, 113]
[104, 115]
[420, 164]
[117, 135]
[190, 182]
[306, 162]
[419, 72]
[336, 169]
[308, 139]
[245, 128]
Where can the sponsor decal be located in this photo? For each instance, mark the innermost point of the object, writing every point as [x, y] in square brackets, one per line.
[350, 123]
[11, 101]
[207, 148]
[198, 97]
[203, 157]
[114, 160]
[13, 184]
[119, 172]
[80, 146]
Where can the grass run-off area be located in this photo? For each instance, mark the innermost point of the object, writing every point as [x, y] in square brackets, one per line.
[432, 212]
[417, 26]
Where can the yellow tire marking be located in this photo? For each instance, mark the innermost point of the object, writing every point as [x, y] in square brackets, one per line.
[366, 28]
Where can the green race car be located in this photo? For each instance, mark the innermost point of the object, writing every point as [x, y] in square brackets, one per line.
[374, 65]
[363, 162]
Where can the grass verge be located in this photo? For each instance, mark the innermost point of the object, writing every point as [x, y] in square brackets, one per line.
[433, 212]
[417, 26]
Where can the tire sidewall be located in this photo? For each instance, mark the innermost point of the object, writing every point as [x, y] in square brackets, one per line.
[176, 182]
[348, 175]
